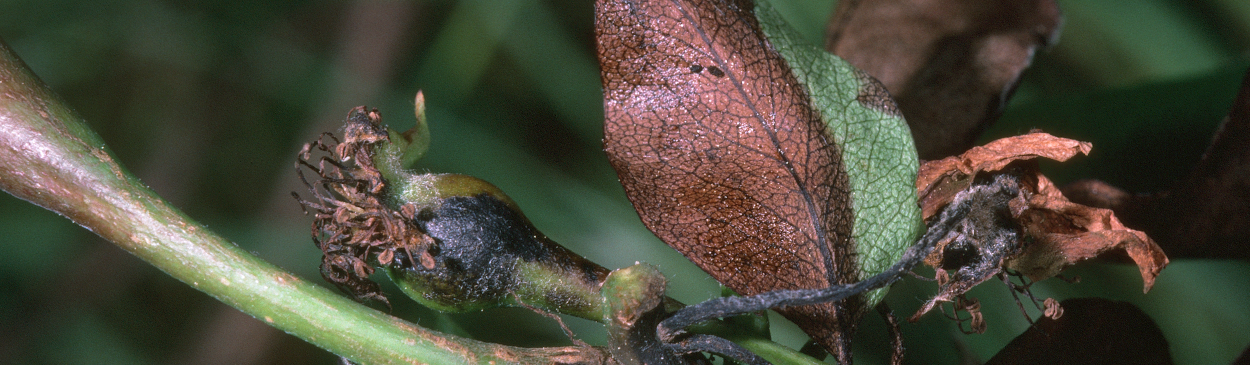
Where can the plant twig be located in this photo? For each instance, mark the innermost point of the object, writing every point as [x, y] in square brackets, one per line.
[49, 157]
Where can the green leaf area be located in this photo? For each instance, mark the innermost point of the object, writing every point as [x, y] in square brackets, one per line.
[876, 144]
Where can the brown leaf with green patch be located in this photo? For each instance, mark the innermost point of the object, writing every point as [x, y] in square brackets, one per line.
[723, 155]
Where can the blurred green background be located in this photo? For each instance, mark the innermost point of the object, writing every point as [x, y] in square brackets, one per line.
[208, 102]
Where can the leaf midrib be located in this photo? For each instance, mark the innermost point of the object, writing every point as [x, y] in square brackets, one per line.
[813, 211]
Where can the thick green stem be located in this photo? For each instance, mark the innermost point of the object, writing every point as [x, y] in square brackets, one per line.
[49, 157]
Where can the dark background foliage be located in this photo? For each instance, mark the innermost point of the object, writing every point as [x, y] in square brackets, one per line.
[207, 102]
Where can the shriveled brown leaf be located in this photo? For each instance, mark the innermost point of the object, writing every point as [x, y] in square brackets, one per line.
[1207, 214]
[1091, 331]
[950, 64]
[1019, 221]
[939, 181]
[1064, 233]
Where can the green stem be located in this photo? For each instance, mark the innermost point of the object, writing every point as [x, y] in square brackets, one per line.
[49, 157]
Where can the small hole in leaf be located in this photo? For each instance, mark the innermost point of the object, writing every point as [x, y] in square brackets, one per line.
[715, 71]
[694, 69]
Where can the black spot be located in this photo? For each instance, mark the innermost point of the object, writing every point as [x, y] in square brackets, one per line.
[479, 240]
[712, 155]
[958, 254]
[481, 227]
[453, 265]
[425, 215]
[594, 273]
[694, 69]
[715, 71]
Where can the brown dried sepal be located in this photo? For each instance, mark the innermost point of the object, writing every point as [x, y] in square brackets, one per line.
[1053, 232]
[1053, 309]
[352, 225]
[1063, 233]
[975, 320]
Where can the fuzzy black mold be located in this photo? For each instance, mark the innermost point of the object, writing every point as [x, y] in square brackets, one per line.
[988, 234]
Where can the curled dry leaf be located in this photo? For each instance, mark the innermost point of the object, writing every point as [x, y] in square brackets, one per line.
[950, 64]
[1065, 233]
[1207, 213]
[1017, 219]
[939, 181]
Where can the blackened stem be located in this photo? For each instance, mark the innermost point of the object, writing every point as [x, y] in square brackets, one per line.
[674, 326]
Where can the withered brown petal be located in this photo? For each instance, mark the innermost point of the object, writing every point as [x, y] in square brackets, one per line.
[1207, 213]
[950, 64]
[939, 181]
[1064, 233]
[1060, 232]
[730, 165]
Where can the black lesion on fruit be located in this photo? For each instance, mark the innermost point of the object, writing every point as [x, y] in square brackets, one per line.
[592, 272]
[455, 253]
[480, 241]
[472, 227]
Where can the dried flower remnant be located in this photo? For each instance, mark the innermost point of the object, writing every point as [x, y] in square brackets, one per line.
[975, 249]
[353, 225]
[451, 242]
[1017, 223]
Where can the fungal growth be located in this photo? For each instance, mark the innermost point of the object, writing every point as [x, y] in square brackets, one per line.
[451, 242]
